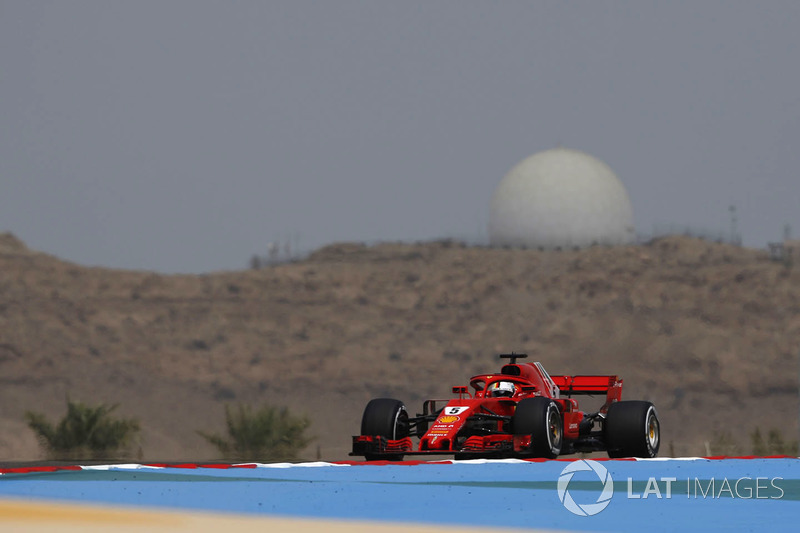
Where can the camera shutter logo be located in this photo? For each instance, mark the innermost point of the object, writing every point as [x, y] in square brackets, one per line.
[587, 509]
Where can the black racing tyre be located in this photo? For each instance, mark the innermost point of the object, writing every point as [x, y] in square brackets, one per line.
[387, 418]
[540, 418]
[632, 429]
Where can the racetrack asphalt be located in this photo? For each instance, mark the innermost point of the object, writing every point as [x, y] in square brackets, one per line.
[25, 516]
[702, 495]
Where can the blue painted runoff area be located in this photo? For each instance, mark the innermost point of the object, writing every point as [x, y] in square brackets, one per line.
[617, 495]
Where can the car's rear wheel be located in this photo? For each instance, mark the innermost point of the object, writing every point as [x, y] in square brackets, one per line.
[387, 418]
[632, 429]
[540, 418]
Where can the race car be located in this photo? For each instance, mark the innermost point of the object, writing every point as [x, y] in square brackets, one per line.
[521, 412]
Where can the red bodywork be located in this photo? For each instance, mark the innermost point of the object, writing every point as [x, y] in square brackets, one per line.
[474, 424]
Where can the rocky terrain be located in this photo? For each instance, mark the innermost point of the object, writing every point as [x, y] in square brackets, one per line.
[709, 332]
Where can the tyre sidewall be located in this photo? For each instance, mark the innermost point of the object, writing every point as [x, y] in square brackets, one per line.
[386, 417]
[532, 417]
[626, 430]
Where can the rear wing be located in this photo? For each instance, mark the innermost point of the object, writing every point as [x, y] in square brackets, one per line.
[611, 386]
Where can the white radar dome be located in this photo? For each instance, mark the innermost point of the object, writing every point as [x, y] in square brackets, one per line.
[558, 199]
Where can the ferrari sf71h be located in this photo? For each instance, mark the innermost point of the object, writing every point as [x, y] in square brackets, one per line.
[522, 411]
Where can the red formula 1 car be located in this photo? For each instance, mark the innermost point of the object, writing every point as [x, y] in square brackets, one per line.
[521, 411]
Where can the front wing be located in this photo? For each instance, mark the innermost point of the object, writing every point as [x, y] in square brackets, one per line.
[488, 445]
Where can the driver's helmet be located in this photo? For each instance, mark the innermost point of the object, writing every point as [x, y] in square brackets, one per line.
[501, 389]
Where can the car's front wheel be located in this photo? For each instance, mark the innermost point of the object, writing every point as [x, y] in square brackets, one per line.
[387, 418]
[540, 418]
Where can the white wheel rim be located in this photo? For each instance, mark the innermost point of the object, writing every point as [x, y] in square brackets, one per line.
[652, 429]
[552, 426]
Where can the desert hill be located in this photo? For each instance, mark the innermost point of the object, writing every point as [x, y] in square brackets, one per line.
[709, 332]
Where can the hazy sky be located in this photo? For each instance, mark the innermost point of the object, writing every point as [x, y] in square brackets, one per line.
[184, 136]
